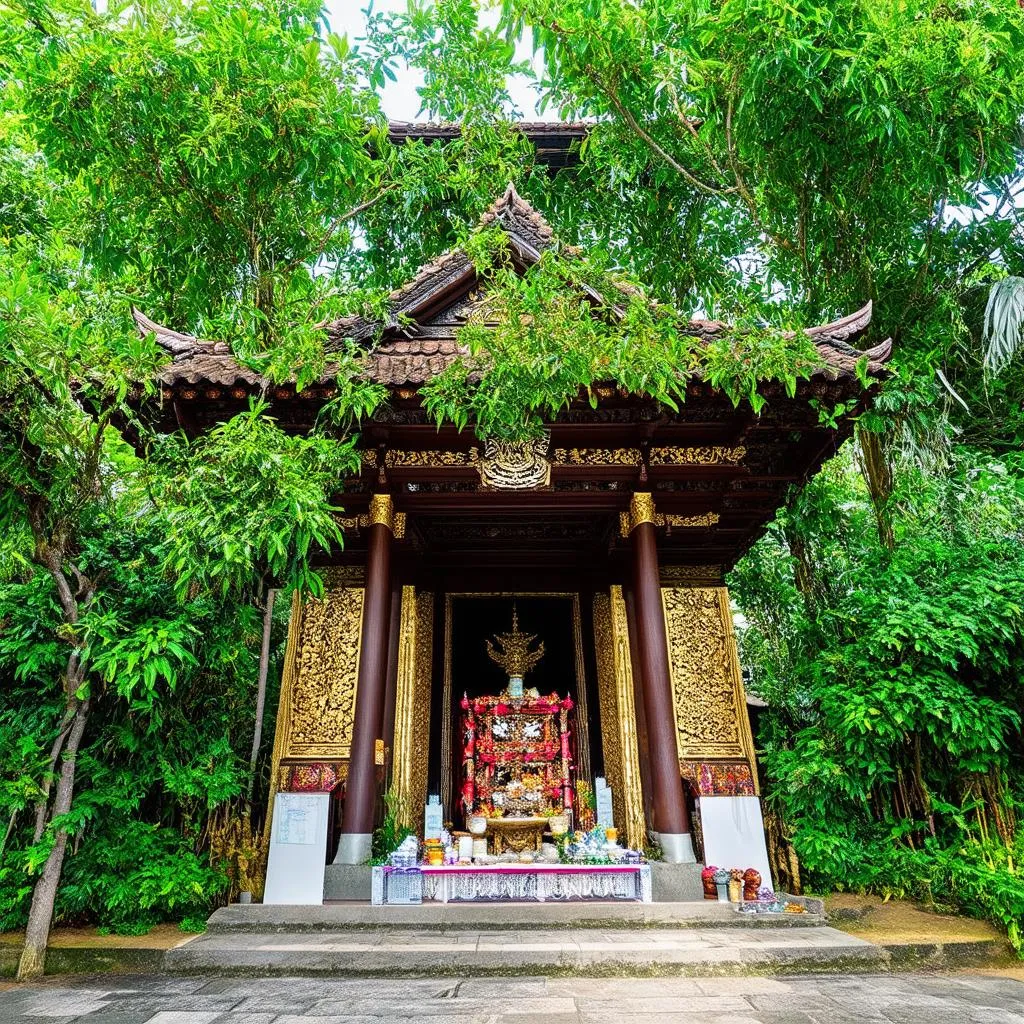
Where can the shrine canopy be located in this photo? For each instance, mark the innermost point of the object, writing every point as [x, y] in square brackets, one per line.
[717, 472]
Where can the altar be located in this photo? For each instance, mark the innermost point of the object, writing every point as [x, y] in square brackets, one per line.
[521, 883]
[517, 754]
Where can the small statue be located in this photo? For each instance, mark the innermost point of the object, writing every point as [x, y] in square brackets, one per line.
[751, 883]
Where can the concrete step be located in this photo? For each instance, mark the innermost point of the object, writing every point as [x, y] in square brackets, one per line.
[464, 952]
[345, 917]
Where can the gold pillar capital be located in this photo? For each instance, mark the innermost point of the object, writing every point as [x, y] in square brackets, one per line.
[641, 510]
[382, 511]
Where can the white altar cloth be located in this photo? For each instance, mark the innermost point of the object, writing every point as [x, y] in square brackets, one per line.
[517, 883]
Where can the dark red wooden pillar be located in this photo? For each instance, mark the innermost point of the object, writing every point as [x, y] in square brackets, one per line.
[360, 790]
[671, 817]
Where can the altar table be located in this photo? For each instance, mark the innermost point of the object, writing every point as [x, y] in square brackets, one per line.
[517, 883]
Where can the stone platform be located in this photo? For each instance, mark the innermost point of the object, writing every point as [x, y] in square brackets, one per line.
[400, 952]
[343, 917]
[640, 939]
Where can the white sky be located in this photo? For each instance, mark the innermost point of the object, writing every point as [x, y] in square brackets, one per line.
[400, 100]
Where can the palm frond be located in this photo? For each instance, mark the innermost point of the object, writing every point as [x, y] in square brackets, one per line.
[1004, 316]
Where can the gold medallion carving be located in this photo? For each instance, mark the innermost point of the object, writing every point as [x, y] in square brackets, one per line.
[707, 688]
[515, 465]
[618, 715]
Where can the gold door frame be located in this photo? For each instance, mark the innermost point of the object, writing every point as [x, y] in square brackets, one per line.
[582, 717]
[618, 715]
[410, 762]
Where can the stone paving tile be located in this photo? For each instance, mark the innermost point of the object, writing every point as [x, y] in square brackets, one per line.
[183, 1017]
[63, 1004]
[244, 1018]
[457, 1008]
[738, 986]
[669, 1018]
[271, 1002]
[384, 1017]
[485, 988]
[686, 1005]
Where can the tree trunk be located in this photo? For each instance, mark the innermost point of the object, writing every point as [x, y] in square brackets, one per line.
[51, 764]
[261, 692]
[7, 835]
[33, 957]
[878, 476]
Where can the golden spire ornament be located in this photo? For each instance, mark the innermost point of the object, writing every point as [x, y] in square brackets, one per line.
[513, 653]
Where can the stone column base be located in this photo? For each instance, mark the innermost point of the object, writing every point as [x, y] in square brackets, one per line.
[354, 848]
[677, 849]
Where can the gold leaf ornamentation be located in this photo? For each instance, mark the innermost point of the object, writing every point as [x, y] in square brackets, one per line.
[618, 715]
[708, 519]
[320, 705]
[429, 459]
[597, 457]
[412, 704]
[707, 688]
[707, 455]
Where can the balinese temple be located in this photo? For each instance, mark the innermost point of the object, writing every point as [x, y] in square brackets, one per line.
[518, 629]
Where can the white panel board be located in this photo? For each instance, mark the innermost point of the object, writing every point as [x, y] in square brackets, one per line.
[734, 833]
[298, 849]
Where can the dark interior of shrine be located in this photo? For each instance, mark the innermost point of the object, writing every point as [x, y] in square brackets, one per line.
[477, 619]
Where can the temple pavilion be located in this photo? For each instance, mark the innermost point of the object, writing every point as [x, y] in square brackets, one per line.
[606, 543]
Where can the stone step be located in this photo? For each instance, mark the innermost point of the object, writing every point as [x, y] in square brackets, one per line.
[344, 917]
[464, 952]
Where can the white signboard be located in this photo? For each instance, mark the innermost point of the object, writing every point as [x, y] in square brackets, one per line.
[298, 849]
[734, 834]
[433, 819]
[603, 799]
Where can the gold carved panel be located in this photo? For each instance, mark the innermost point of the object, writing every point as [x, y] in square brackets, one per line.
[412, 705]
[707, 688]
[618, 715]
[317, 707]
[597, 457]
[708, 455]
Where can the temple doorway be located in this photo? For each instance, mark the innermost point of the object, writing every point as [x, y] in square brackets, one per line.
[470, 620]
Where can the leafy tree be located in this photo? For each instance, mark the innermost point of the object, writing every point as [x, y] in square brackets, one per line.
[773, 164]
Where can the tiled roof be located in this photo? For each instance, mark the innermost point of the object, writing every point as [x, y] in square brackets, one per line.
[409, 354]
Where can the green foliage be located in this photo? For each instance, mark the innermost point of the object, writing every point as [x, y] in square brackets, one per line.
[388, 837]
[544, 336]
[137, 875]
[893, 736]
[248, 497]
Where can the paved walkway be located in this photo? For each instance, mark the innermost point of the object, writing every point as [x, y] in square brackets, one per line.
[883, 999]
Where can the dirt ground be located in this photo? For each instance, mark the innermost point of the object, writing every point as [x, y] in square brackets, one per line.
[161, 936]
[898, 921]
